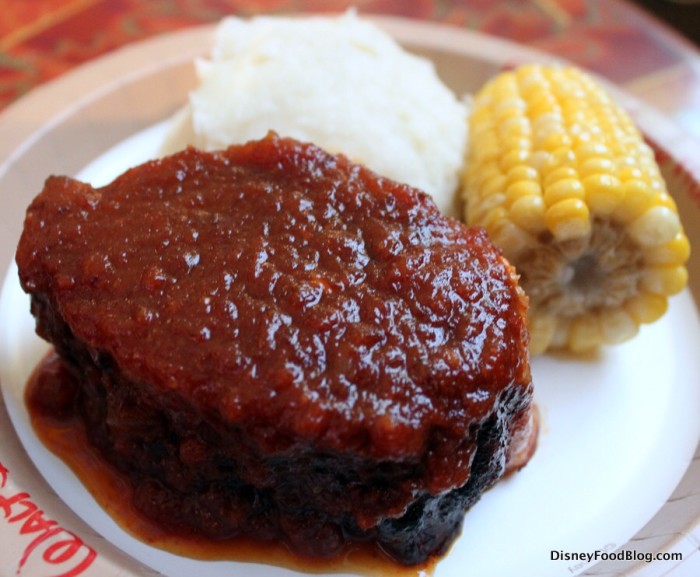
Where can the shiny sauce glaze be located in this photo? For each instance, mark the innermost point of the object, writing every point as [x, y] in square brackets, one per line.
[272, 341]
[308, 293]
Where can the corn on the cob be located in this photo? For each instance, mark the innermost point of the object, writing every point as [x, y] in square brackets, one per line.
[563, 181]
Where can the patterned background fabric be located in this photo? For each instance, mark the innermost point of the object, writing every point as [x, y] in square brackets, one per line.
[41, 39]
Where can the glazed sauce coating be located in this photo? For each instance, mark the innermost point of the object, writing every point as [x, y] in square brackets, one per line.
[242, 318]
[364, 311]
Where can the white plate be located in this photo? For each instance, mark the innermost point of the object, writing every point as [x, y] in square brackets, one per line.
[619, 431]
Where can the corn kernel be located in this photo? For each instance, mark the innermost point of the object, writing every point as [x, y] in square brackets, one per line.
[627, 172]
[637, 197]
[510, 237]
[528, 213]
[603, 193]
[522, 172]
[644, 150]
[597, 165]
[486, 171]
[674, 252]
[541, 160]
[541, 328]
[568, 219]
[617, 326]
[494, 185]
[656, 226]
[563, 189]
[540, 102]
[563, 156]
[482, 120]
[489, 149]
[646, 307]
[554, 140]
[522, 188]
[560, 173]
[551, 160]
[664, 280]
[514, 125]
[560, 337]
[478, 210]
[664, 199]
[585, 333]
[512, 107]
[591, 150]
[545, 125]
[492, 216]
[511, 142]
[529, 79]
[513, 158]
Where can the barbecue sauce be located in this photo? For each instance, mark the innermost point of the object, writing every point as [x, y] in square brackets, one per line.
[49, 398]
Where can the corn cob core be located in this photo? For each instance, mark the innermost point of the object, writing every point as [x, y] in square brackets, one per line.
[563, 182]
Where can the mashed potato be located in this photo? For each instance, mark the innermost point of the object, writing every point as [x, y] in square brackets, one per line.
[339, 82]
